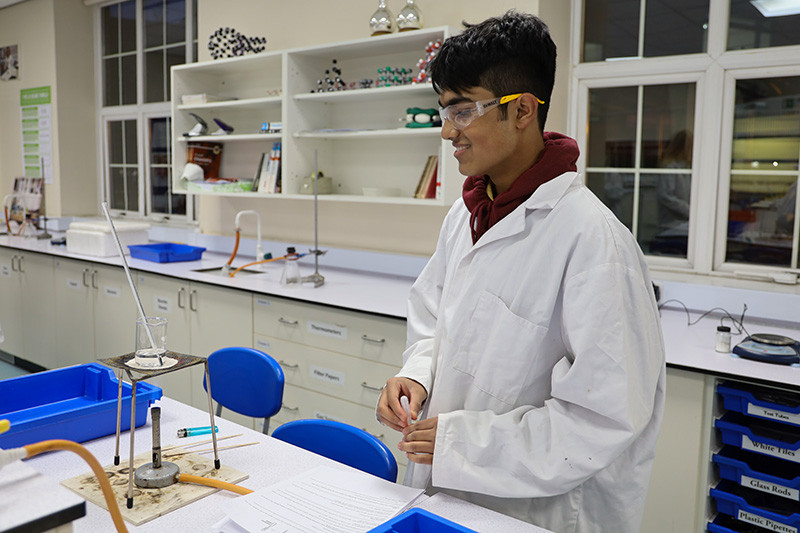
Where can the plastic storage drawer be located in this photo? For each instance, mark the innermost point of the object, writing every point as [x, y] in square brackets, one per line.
[761, 436]
[420, 521]
[758, 472]
[166, 252]
[757, 508]
[761, 402]
[76, 403]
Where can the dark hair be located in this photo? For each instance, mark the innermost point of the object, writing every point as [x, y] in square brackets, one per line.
[509, 54]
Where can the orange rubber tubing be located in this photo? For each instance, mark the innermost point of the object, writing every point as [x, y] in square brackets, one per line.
[215, 483]
[257, 263]
[100, 474]
[235, 247]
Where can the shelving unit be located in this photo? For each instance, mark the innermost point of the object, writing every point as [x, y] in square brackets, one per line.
[357, 136]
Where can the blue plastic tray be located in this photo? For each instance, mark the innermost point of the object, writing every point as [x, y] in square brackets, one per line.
[166, 252]
[779, 478]
[420, 521]
[762, 402]
[76, 403]
[761, 436]
[755, 507]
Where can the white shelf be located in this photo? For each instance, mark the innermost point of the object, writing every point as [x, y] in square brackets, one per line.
[319, 126]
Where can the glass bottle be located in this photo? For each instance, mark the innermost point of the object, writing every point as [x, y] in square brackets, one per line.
[382, 21]
[291, 270]
[723, 344]
[409, 18]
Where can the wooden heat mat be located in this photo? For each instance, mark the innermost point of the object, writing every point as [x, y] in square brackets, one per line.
[152, 503]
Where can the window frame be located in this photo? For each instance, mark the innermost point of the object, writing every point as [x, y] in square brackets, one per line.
[715, 72]
[142, 112]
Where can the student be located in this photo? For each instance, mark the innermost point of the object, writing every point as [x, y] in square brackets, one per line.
[535, 362]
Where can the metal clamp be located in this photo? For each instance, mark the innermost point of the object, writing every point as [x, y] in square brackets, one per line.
[370, 339]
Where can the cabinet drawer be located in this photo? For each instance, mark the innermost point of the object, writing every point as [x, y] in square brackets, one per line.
[359, 334]
[342, 376]
[302, 404]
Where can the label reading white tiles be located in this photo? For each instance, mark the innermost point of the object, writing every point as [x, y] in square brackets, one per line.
[771, 488]
[73, 284]
[769, 449]
[792, 418]
[772, 525]
[111, 291]
[327, 375]
[263, 345]
[162, 304]
[327, 330]
[262, 301]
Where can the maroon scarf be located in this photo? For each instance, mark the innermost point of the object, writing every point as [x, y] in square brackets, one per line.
[558, 156]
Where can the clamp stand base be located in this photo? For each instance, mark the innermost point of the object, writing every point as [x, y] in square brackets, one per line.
[149, 477]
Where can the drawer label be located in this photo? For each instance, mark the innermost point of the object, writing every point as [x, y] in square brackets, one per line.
[769, 449]
[111, 291]
[772, 525]
[263, 345]
[327, 375]
[771, 488]
[73, 284]
[327, 330]
[792, 418]
[5, 270]
[262, 301]
[160, 303]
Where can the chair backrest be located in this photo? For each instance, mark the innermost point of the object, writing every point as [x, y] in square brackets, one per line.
[341, 442]
[246, 381]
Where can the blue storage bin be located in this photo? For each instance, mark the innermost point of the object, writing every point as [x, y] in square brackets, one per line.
[420, 521]
[760, 436]
[166, 252]
[762, 402]
[77, 403]
[754, 507]
[727, 524]
[758, 472]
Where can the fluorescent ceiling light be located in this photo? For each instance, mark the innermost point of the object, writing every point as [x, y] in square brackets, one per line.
[777, 8]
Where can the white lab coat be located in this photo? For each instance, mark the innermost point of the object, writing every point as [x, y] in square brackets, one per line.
[542, 352]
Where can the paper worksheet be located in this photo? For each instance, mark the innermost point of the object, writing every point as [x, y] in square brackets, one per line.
[321, 500]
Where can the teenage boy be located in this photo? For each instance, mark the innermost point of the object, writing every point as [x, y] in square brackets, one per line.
[535, 363]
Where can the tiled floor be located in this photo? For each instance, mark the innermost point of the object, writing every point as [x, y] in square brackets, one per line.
[7, 370]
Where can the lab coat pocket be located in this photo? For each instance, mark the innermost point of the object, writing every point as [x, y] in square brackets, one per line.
[498, 349]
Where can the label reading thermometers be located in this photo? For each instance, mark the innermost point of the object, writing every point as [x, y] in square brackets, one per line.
[771, 488]
[327, 330]
[769, 449]
[792, 418]
[766, 523]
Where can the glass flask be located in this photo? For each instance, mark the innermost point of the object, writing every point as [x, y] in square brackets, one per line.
[409, 18]
[382, 21]
[291, 270]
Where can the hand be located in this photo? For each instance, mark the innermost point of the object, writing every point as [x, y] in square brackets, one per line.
[390, 411]
[419, 441]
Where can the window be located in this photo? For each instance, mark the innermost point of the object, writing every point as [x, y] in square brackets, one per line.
[689, 122]
[141, 41]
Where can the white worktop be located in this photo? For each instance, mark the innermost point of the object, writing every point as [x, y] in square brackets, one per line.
[384, 291]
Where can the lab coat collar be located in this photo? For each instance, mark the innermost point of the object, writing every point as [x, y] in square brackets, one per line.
[545, 197]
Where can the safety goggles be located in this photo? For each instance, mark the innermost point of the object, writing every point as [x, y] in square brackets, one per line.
[462, 114]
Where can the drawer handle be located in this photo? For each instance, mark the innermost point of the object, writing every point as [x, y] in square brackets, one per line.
[287, 408]
[378, 436]
[370, 387]
[370, 339]
[288, 322]
[287, 365]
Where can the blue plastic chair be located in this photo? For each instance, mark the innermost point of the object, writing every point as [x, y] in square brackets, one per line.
[246, 381]
[341, 442]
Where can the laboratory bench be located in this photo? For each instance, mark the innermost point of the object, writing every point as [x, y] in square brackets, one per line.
[338, 343]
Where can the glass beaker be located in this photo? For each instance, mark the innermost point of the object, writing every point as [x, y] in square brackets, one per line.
[291, 270]
[151, 340]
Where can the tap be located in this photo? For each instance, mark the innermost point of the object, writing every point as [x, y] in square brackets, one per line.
[259, 249]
